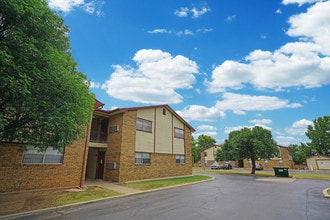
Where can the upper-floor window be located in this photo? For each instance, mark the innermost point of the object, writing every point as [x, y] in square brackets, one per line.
[35, 156]
[143, 125]
[99, 130]
[178, 133]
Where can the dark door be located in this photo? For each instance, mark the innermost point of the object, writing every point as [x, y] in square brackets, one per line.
[100, 165]
[241, 164]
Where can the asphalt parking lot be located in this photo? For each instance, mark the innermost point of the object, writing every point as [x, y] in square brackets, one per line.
[227, 197]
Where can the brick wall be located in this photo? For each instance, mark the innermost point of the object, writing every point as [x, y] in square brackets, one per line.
[122, 151]
[285, 157]
[114, 148]
[16, 176]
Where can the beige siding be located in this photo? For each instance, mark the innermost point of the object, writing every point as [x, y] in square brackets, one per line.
[210, 154]
[323, 164]
[92, 161]
[145, 140]
[178, 143]
[164, 131]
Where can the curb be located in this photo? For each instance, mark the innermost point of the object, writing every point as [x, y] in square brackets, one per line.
[325, 193]
[16, 215]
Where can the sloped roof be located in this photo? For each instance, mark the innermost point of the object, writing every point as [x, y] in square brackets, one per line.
[123, 110]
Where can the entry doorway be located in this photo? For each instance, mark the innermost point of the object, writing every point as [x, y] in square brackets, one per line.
[241, 164]
[100, 165]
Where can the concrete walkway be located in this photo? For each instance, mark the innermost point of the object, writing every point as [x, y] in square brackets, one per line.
[112, 186]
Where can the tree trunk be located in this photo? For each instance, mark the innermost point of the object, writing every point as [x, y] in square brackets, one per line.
[253, 171]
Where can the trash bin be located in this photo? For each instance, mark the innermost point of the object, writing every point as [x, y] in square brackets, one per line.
[281, 171]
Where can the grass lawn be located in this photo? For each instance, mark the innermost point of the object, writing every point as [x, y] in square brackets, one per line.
[91, 194]
[154, 184]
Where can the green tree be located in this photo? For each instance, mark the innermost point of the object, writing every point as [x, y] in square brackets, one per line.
[204, 141]
[44, 100]
[254, 144]
[300, 152]
[194, 150]
[319, 134]
[225, 152]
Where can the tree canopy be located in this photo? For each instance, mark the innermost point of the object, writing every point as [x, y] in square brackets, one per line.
[319, 134]
[254, 144]
[44, 100]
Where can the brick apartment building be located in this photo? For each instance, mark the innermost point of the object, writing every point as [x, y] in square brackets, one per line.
[122, 145]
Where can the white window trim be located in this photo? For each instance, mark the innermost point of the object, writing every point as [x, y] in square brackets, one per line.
[142, 158]
[33, 155]
[180, 159]
[143, 125]
[178, 132]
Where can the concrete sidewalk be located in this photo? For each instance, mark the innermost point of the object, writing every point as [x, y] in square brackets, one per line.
[112, 186]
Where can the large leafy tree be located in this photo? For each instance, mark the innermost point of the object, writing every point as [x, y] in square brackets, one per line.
[44, 100]
[319, 134]
[254, 144]
[204, 141]
[300, 152]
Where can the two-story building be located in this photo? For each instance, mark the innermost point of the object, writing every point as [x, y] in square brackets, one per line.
[121, 145]
[142, 143]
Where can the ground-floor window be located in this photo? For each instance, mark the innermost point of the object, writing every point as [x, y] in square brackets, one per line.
[180, 159]
[33, 155]
[142, 158]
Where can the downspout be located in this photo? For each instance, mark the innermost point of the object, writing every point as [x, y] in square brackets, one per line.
[82, 176]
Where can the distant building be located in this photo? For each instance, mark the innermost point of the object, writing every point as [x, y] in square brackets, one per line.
[208, 156]
[284, 159]
[318, 162]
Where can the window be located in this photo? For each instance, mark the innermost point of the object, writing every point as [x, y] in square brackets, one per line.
[179, 159]
[34, 156]
[142, 158]
[178, 133]
[143, 125]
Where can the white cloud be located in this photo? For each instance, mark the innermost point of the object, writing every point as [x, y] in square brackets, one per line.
[195, 12]
[299, 127]
[66, 6]
[94, 85]
[183, 12]
[184, 32]
[159, 31]
[230, 18]
[206, 128]
[278, 11]
[299, 2]
[261, 121]
[285, 140]
[314, 26]
[208, 133]
[238, 102]
[154, 80]
[201, 113]
[305, 63]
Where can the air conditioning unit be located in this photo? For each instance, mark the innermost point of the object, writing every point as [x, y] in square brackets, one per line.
[114, 128]
[111, 165]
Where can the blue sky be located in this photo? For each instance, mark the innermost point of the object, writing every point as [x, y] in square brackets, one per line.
[221, 64]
